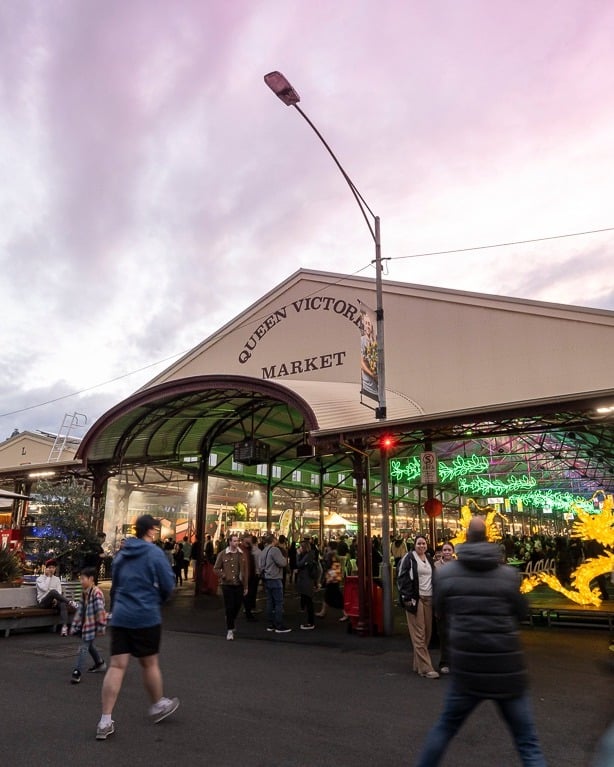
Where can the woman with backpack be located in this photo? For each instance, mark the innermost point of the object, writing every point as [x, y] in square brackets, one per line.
[307, 577]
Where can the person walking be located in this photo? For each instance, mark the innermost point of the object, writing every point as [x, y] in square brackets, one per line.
[251, 566]
[483, 604]
[274, 564]
[447, 556]
[415, 583]
[230, 570]
[90, 621]
[187, 556]
[142, 580]
[306, 582]
[178, 563]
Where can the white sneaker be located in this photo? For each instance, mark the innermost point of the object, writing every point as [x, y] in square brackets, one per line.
[163, 708]
[103, 731]
[230, 634]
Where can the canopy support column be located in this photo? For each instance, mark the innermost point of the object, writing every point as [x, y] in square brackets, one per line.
[201, 518]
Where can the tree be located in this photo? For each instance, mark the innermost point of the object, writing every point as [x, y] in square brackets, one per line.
[65, 523]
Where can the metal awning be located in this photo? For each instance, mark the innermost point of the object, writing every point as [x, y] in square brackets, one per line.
[566, 442]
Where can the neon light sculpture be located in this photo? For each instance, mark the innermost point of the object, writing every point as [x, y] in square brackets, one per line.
[588, 527]
[492, 532]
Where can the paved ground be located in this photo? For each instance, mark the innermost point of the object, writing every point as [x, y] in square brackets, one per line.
[324, 697]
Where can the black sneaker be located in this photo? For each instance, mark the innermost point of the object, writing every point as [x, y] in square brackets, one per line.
[270, 628]
[98, 668]
[283, 630]
[76, 677]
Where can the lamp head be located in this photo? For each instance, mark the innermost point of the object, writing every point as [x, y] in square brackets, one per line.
[282, 88]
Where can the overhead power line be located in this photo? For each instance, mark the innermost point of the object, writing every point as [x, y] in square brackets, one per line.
[501, 244]
[337, 282]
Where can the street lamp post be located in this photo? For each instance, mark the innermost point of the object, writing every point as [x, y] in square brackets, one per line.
[282, 88]
[286, 93]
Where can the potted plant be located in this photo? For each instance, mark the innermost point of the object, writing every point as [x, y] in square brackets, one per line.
[10, 568]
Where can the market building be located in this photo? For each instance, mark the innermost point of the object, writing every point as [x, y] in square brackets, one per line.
[283, 379]
[260, 426]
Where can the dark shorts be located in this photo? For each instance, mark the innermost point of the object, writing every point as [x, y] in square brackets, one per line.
[137, 642]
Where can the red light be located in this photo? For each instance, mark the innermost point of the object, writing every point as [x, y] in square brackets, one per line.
[387, 442]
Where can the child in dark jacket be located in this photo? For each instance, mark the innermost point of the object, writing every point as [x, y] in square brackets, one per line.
[89, 622]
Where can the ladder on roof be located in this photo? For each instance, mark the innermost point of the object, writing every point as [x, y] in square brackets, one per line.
[70, 422]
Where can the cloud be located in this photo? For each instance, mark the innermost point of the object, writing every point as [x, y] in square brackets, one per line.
[158, 187]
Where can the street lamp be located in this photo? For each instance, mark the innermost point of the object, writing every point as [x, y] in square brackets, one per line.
[286, 93]
[282, 88]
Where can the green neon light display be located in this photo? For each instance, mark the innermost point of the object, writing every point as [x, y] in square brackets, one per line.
[511, 487]
[484, 486]
[553, 498]
[404, 472]
[410, 469]
[460, 467]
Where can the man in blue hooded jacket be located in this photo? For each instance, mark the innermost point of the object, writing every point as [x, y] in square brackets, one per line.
[481, 600]
[142, 581]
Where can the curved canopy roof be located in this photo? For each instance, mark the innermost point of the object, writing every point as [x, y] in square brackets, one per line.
[186, 418]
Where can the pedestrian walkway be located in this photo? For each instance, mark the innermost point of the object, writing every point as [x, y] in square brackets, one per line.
[204, 614]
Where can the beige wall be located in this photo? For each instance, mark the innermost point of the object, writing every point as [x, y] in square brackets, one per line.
[446, 350]
[28, 448]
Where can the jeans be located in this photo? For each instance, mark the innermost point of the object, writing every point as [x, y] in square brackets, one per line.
[274, 602]
[87, 647]
[516, 713]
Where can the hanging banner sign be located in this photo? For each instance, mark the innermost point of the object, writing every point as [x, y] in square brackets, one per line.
[428, 468]
[368, 352]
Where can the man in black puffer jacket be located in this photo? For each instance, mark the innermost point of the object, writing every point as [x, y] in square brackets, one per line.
[482, 603]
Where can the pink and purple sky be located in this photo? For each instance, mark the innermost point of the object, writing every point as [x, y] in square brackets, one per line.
[153, 186]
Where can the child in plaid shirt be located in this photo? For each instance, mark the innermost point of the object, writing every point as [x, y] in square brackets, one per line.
[90, 621]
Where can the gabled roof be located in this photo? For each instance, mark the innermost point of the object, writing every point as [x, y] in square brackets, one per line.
[457, 364]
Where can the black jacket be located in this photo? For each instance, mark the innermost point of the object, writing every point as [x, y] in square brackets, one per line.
[482, 603]
[407, 577]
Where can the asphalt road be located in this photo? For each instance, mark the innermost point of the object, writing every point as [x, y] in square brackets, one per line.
[307, 698]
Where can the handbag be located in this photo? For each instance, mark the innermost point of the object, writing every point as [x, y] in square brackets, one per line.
[409, 604]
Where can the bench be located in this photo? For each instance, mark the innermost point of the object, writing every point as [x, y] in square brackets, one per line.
[19, 609]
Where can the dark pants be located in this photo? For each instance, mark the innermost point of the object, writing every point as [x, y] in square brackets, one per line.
[233, 598]
[249, 599]
[307, 603]
[54, 599]
[178, 570]
[442, 632]
[458, 705]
